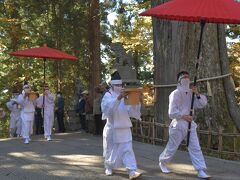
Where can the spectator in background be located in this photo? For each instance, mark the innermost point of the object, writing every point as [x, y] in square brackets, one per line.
[104, 87]
[97, 111]
[88, 108]
[81, 111]
[38, 119]
[60, 112]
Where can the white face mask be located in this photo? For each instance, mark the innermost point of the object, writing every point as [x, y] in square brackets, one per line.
[27, 90]
[15, 95]
[117, 89]
[58, 95]
[184, 84]
[47, 91]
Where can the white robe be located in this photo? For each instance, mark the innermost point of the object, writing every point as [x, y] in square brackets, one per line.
[179, 105]
[48, 113]
[15, 117]
[27, 115]
[117, 136]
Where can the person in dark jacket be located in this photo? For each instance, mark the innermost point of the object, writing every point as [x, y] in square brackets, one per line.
[60, 112]
[38, 120]
[97, 111]
[81, 111]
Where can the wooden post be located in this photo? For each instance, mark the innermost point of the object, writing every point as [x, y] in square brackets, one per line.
[141, 130]
[220, 141]
[234, 140]
[153, 130]
[209, 138]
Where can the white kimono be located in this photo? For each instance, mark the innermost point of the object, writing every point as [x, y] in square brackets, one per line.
[48, 113]
[27, 115]
[179, 105]
[117, 136]
[15, 117]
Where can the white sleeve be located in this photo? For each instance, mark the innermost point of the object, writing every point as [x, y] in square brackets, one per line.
[39, 102]
[173, 109]
[21, 100]
[200, 102]
[108, 105]
[134, 111]
[50, 98]
[9, 105]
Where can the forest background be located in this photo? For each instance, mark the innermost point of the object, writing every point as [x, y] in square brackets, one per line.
[81, 28]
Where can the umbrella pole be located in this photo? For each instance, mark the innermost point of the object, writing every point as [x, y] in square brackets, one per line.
[195, 79]
[44, 77]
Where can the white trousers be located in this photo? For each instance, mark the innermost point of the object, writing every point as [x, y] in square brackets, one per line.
[176, 136]
[27, 124]
[19, 127]
[48, 122]
[117, 155]
[15, 126]
[122, 155]
[27, 128]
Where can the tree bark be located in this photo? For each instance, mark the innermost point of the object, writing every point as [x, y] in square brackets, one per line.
[233, 106]
[94, 45]
[175, 49]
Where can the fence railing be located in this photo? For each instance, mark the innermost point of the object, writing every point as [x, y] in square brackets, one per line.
[212, 142]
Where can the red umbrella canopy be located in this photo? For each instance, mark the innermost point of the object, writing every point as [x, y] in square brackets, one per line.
[209, 11]
[43, 52]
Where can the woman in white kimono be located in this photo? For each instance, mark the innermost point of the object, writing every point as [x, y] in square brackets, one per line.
[15, 115]
[179, 110]
[48, 119]
[117, 136]
[27, 113]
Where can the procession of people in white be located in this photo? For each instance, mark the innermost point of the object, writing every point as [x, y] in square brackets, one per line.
[117, 136]
[22, 113]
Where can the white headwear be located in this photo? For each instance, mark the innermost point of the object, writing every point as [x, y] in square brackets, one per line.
[116, 81]
[85, 92]
[26, 86]
[116, 78]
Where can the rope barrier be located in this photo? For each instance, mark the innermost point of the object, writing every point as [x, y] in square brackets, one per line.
[199, 80]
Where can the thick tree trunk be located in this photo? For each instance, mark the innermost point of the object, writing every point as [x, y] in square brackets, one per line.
[94, 45]
[175, 49]
[233, 107]
[57, 13]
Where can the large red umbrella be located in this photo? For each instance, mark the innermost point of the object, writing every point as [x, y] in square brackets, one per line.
[43, 52]
[203, 11]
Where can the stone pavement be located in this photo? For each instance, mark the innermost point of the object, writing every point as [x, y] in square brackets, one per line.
[72, 156]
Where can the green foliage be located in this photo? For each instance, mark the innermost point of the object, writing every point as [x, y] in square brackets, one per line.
[135, 33]
[234, 57]
[60, 24]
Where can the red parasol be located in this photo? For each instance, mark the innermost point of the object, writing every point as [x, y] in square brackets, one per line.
[203, 11]
[210, 11]
[43, 52]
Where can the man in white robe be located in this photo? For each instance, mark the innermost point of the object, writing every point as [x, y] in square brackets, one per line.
[179, 110]
[48, 119]
[27, 113]
[117, 136]
[15, 115]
